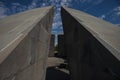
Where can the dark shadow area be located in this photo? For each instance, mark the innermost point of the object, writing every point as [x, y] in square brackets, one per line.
[63, 66]
[55, 74]
[60, 55]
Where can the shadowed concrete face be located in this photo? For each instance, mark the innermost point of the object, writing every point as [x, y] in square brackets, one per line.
[61, 48]
[92, 46]
[24, 44]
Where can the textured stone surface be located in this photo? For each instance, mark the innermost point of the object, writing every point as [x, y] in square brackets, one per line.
[92, 46]
[24, 44]
[61, 46]
[52, 44]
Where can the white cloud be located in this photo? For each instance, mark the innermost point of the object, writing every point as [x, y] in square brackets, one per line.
[118, 24]
[117, 10]
[102, 17]
[17, 7]
[54, 31]
[118, 13]
[57, 24]
[112, 16]
[33, 5]
[57, 16]
[64, 3]
[16, 4]
[61, 27]
[3, 10]
[43, 4]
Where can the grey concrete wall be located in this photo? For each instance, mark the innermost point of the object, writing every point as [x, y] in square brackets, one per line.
[92, 46]
[24, 44]
[61, 46]
[52, 44]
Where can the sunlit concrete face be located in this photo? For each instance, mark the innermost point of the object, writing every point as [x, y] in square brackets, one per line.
[52, 44]
[92, 46]
[24, 44]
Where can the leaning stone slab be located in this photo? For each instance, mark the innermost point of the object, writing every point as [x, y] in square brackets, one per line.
[92, 46]
[24, 44]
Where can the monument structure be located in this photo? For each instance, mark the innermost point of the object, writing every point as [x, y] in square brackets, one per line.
[24, 44]
[92, 46]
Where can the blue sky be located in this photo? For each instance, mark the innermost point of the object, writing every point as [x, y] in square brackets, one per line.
[108, 10]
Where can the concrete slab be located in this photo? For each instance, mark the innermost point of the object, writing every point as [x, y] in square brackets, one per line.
[92, 46]
[105, 32]
[24, 44]
[14, 28]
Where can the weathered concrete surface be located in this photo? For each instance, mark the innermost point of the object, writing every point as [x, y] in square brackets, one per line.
[52, 44]
[61, 46]
[24, 44]
[92, 46]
